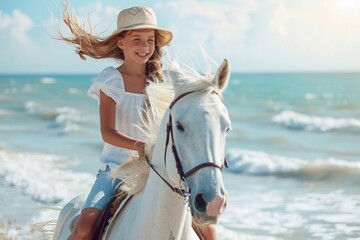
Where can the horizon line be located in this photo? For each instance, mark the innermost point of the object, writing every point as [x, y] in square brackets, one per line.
[233, 72]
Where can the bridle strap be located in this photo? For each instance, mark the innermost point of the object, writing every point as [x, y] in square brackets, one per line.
[169, 124]
[179, 191]
[197, 168]
[179, 97]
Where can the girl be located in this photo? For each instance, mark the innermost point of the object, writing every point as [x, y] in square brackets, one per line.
[137, 42]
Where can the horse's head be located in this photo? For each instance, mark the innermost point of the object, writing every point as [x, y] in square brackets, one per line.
[199, 124]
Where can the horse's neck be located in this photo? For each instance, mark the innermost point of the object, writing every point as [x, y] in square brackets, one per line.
[165, 201]
[167, 207]
[166, 210]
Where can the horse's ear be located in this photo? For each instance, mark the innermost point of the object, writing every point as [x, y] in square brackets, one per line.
[174, 75]
[174, 71]
[222, 75]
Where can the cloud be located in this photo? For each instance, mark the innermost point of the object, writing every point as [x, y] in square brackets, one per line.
[270, 35]
[256, 35]
[17, 25]
[4, 20]
[28, 52]
[100, 16]
[315, 24]
[17, 47]
[96, 18]
[324, 34]
[220, 27]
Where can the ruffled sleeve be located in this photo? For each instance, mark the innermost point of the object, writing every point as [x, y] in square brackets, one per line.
[109, 81]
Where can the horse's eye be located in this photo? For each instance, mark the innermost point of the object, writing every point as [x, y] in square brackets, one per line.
[179, 127]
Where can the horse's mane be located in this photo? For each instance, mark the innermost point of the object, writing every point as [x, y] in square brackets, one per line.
[135, 171]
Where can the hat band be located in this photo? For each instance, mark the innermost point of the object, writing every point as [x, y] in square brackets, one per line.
[138, 24]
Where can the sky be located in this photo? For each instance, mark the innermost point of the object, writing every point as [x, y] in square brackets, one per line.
[255, 35]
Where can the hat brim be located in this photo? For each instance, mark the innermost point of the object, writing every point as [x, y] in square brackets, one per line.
[165, 35]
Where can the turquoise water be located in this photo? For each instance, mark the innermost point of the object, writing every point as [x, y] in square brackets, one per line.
[253, 100]
[294, 149]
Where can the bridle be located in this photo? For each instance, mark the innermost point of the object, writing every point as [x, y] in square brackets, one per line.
[169, 134]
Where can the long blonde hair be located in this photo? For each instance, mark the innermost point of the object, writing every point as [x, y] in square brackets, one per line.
[96, 47]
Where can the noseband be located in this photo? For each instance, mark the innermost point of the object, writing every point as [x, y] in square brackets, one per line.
[183, 176]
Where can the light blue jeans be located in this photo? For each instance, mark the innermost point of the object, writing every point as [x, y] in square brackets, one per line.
[102, 190]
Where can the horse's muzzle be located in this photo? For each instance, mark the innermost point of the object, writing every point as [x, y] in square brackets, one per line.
[208, 212]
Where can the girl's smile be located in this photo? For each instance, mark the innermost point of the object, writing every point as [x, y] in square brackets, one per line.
[143, 52]
[138, 45]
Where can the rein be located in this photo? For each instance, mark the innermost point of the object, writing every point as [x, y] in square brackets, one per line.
[169, 133]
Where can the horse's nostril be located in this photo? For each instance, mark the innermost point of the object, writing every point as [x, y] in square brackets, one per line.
[200, 203]
[222, 191]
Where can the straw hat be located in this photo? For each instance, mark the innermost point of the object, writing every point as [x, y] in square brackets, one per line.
[141, 18]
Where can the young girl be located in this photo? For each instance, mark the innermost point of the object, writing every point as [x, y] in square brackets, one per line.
[137, 42]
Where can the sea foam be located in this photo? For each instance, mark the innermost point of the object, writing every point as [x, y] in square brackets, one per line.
[67, 118]
[48, 80]
[260, 163]
[42, 177]
[32, 106]
[298, 121]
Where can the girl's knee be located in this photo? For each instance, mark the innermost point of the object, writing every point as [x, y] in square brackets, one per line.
[85, 226]
[81, 233]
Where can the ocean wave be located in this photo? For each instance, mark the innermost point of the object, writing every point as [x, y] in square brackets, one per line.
[298, 121]
[73, 91]
[260, 163]
[66, 118]
[6, 112]
[27, 88]
[67, 114]
[6, 99]
[48, 80]
[32, 106]
[41, 177]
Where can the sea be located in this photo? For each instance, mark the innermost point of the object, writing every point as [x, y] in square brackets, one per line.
[293, 151]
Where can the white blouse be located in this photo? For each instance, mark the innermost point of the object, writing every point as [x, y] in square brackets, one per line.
[128, 112]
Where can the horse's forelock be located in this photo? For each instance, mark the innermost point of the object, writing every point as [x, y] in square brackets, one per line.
[187, 79]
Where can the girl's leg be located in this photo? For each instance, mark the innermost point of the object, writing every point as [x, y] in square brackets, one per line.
[100, 193]
[207, 232]
[85, 226]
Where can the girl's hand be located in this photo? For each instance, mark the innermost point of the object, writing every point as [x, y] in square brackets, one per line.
[140, 148]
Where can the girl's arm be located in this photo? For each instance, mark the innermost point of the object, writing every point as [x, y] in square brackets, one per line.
[107, 125]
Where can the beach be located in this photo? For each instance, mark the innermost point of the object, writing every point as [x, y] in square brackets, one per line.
[293, 152]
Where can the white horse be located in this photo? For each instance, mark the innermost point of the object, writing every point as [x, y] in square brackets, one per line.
[188, 153]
